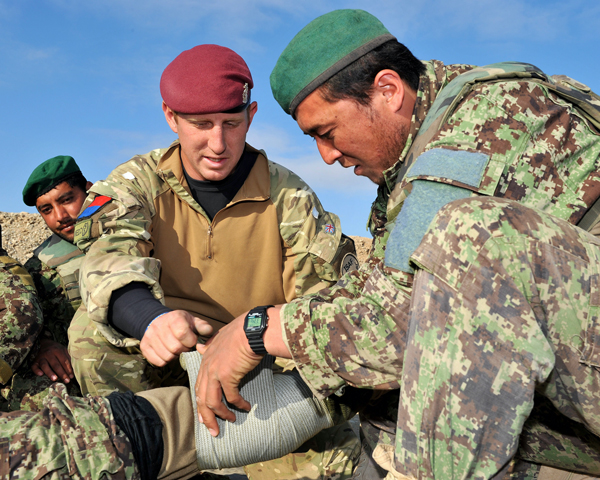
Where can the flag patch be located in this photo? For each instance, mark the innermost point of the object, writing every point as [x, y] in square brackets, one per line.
[93, 207]
[329, 228]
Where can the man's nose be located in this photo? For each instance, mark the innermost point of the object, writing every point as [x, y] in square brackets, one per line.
[216, 142]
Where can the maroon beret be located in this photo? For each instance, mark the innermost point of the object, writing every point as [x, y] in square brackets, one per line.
[206, 79]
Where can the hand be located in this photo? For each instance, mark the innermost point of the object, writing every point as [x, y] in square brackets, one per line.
[172, 334]
[226, 359]
[54, 361]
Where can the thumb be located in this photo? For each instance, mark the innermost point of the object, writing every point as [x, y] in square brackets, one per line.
[202, 327]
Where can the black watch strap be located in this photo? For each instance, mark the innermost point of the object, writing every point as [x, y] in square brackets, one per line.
[255, 340]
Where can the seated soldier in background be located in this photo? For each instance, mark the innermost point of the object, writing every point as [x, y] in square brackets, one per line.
[21, 322]
[57, 189]
[204, 229]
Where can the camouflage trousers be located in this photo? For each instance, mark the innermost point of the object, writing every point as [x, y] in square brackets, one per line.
[101, 368]
[505, 304]
[69, 438]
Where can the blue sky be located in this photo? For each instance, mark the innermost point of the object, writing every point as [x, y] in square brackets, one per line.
[81, 78]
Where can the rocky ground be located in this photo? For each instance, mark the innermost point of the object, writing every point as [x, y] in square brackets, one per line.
[23, 232]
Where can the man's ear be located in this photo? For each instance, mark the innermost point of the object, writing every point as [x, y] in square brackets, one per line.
[88, 185]
[170, 116]
[252, 108]
[390, 88]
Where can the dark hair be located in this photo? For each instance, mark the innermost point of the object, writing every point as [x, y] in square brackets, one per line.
[76, 180]
[355, 82]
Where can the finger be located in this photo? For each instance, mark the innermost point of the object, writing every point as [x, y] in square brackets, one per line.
[56, 366]
[202, 328]
[232, 394]
[214, 401]
[37, 370]
[205, 415]
[66, 363]
[48, 370]
[201, 347]
[151, 355]
[181, 333]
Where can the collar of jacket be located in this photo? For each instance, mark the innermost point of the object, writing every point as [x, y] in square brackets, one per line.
[257, 186]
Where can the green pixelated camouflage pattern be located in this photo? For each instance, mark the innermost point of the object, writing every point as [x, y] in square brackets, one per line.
[69, 438]
[355, 332]
[22, 326]
[505, 303]
[126, 223]
[21, 316]
[54, 268]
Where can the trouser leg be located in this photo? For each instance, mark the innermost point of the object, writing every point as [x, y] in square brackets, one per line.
[504, 302]
[174, 406]
[69, 438]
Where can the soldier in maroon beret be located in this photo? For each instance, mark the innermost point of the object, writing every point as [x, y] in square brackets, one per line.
[181, 240]
[206, 100]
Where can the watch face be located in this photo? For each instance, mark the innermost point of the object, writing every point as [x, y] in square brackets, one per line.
[253, 321]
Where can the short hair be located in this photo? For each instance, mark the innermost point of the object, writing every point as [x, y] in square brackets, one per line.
[76, 180]
[355, 82]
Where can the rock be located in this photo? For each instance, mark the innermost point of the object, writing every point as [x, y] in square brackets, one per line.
[22, 233]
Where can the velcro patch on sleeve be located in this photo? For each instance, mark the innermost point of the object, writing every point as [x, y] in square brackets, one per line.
[83, 230]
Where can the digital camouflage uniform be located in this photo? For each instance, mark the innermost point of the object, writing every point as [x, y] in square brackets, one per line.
[275, 220]
[519, 140]
[21, 323]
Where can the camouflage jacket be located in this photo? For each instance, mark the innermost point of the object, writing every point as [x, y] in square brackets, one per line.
[271, 243]
[21, 318]
[54, 268]
[510, 137]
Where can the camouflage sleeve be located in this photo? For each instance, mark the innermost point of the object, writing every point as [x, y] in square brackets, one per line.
[359, 338]
[20, 316]
[352, 334]
[312, 236]
[116, 237]
[57, 310]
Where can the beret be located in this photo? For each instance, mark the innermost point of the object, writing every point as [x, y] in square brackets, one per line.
[325, 46]
[206, 79]
[48, 175]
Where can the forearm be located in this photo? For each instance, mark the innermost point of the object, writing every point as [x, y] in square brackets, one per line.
[349, 341]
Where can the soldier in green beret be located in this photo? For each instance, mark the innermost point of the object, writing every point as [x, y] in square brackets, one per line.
[457, 334]
[57, 189]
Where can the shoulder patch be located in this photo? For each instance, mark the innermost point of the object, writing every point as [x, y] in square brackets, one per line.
[349, 264]
[93, 207]
[83, 230]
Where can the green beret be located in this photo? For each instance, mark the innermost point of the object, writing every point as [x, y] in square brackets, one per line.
[325, 46]
[47, 176]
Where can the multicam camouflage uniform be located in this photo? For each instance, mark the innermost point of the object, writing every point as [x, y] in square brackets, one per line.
[272, 243]
[518, 139]
[21, 322]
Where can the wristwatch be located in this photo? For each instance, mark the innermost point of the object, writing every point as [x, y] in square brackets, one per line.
[255, 325]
